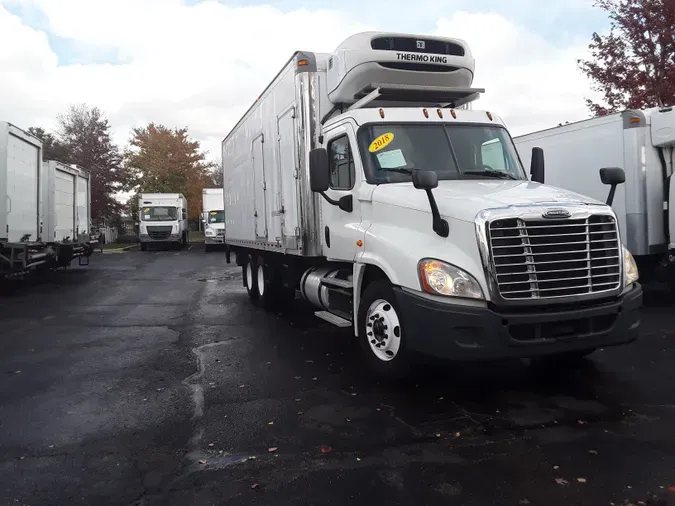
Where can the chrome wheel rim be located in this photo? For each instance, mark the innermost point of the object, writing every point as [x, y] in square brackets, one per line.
[383, 330]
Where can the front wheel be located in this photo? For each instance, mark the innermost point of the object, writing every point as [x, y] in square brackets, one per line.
[381, 332]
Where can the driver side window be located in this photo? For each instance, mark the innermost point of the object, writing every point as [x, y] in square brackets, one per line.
[341, 163]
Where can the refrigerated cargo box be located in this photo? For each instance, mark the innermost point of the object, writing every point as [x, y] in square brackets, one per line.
[66, 203]
[20, 164]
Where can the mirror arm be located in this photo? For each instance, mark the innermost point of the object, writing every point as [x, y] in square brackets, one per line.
[610, 197]
[439, 225]
[329, 200]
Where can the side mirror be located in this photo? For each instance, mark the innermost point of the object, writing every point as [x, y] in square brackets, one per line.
[612, 176]
[427, 180]
[537, 165]
[319, 170]
[424, 179]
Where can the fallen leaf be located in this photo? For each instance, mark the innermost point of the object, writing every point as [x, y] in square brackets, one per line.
[457, 434]
[378, 409]
[593, 452]
[353, 393]
[297, 377]
[524, 501]
[581, 422]
[556, 467]
[297, 400]
[438, 435]
[581, 480]
[202, 462]
[358, 459]
[211, 445]
[561, 481]
[348, 419]
[270, 423]
[314, 378]
[242, 386]
[273, 449]
[51, 446]
[326, 449]
[255, 485]
[440, 398]
[299, 412]
[309, 361]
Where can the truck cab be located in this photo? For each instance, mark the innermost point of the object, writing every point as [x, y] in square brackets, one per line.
[213, 218]
[162, 220]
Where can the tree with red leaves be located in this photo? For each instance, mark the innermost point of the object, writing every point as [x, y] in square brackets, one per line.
[633, 66]
[85, 135]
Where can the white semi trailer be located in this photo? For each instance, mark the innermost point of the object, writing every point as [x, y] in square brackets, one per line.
[361, 179]
[66, 216]
[641, 142]
[213, 217]
[21, 245]
[162, 219]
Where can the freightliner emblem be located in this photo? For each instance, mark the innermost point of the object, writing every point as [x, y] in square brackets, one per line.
[556, 213]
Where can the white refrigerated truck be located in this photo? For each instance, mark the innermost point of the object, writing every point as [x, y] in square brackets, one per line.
[213, 217]
[21, 245]
[66, 211]
[360, 179]
[641, 142]
[162, 219]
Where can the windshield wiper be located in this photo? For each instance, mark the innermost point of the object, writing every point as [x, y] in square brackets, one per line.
[490, 173]
[399, 170]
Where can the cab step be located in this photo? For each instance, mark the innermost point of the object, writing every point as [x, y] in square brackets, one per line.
[336, 320]
[338, 283]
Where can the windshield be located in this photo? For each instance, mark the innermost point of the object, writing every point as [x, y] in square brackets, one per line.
[216, 217]
[159, 213]
[454, 151]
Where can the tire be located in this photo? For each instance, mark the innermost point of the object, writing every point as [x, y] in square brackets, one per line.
[269, 285]
[250, 279]
[380, 323]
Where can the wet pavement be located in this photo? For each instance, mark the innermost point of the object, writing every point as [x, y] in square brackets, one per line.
[149, 379]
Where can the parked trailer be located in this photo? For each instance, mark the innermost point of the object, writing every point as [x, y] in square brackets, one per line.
[213, 217]
[66, 199]
[163, 219]
[356, 179]
[21, 245]
[641, 142]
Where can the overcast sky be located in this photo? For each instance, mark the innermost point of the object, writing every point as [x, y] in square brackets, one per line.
[200, 63]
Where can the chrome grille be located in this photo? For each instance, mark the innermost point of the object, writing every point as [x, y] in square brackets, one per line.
[555, 258]
[159, 233]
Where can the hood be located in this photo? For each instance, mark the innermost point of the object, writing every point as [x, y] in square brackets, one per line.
[463, 200]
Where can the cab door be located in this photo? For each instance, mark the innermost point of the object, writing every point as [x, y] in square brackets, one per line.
[342, 229]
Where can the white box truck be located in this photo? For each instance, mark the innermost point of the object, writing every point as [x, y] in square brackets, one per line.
[360, 179]
[641, 142]
[162, 219]
[21, 245]
[66, 204]
[213, 217]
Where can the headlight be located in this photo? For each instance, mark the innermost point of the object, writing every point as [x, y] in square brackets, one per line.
[630, 270]
[439, 278]
[210, 232]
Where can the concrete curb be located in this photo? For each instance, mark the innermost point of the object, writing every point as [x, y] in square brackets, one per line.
[119, 250]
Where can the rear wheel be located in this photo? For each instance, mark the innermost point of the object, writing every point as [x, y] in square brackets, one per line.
[381, 332]
[269, 284]
[251, 279]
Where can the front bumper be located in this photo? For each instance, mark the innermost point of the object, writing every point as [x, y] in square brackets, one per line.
[219, 239]
[170, 238]
[456, 332]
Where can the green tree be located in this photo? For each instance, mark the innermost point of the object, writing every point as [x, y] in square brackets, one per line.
[52, 147]
[166, 160]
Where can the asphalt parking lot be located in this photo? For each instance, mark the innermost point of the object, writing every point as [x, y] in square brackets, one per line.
[148, 378]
